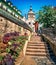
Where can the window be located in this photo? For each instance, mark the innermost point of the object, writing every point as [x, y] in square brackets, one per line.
[1, 20]
[29, 23]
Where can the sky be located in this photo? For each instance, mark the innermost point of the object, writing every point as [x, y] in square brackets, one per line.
[24, 5]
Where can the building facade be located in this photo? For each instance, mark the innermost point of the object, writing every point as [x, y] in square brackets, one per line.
[11, 19]
[31, 19]
[7, 25]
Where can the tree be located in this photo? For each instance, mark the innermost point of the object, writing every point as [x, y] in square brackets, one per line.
[47, 16]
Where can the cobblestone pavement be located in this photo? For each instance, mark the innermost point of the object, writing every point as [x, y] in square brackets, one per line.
[44, 61]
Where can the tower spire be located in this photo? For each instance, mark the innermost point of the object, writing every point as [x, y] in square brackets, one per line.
[30, 7]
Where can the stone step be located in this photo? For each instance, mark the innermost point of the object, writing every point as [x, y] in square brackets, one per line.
[38, 50]
[36, 56]
[34, 49]
[35, 39]
[39, 54]
[36, 42]
[37, 46]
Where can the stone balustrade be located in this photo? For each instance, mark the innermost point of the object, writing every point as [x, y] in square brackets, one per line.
[51, 42]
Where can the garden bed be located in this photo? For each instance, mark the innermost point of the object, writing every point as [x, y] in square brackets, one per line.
[14, 45]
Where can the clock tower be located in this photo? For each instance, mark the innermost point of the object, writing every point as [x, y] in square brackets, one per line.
[31, 19]
[31, 15]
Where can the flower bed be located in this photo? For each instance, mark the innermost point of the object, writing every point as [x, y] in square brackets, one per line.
[6, 60]
[15, 44]
[7, 37]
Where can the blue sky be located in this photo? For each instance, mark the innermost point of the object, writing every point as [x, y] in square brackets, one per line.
[24, 5]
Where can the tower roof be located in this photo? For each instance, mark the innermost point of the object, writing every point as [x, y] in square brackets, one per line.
[30, 8]
[30, 11]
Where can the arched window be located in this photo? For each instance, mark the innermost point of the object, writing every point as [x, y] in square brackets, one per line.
[29, 23]
[1, 19]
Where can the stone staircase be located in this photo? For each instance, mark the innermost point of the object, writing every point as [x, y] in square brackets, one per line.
[38, 49]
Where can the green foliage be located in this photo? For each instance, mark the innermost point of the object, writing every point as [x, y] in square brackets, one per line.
[12, 41]
[1, 57]
[22, 39]
[7, 50]
[15, 49]
[47, 16]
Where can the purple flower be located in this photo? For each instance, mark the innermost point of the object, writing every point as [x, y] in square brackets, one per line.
[15, 44]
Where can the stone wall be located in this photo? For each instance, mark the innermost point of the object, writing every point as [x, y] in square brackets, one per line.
[7, 26]
[51, 42]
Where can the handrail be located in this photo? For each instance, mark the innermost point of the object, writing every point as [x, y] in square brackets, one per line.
[14, 19]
